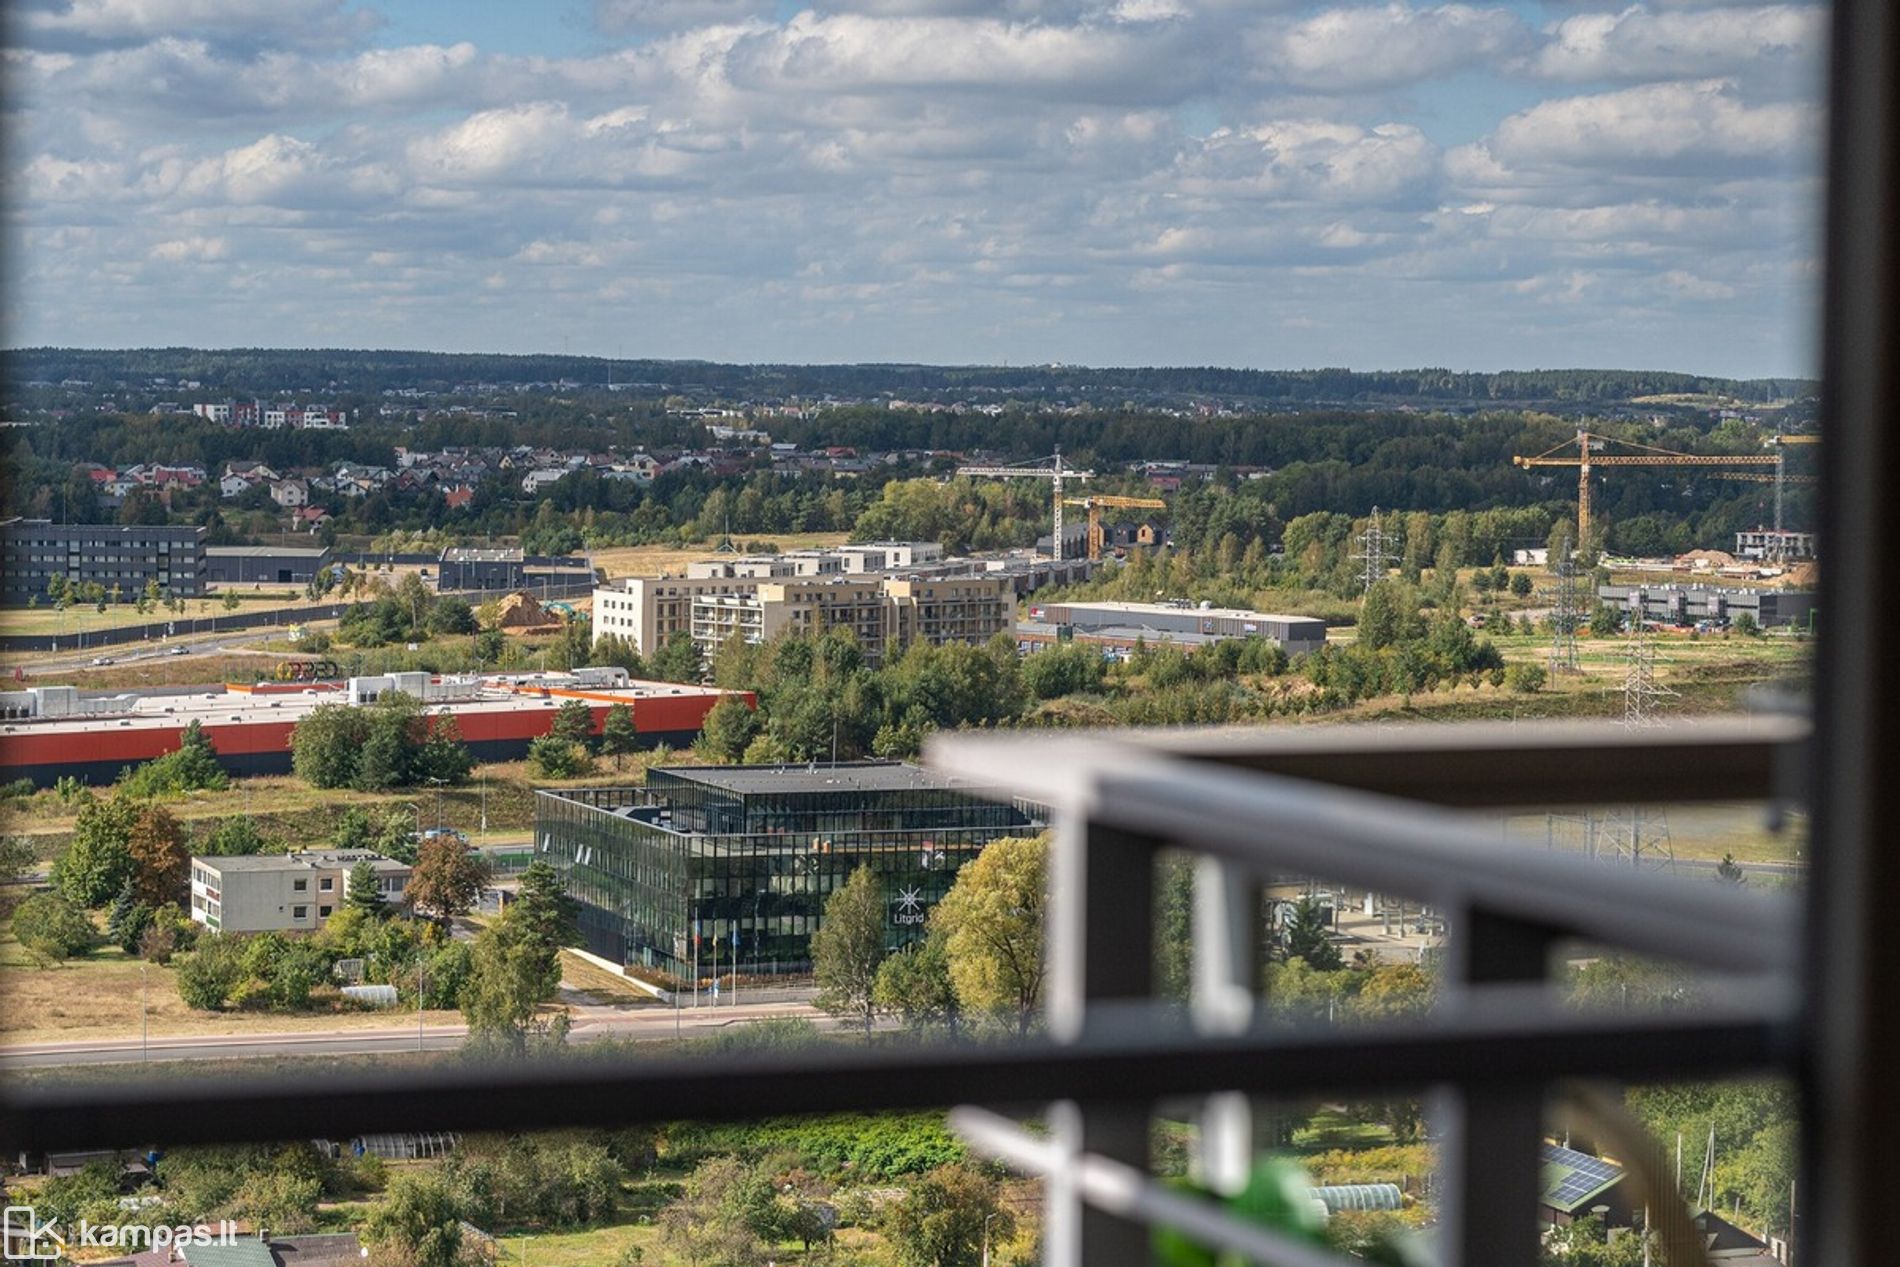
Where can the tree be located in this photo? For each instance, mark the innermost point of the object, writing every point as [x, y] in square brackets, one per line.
[730, 726]
[161, 858]
[676, 660]
[443, 757]
[915, 984]
[848, 947]
[447, 879]
[392, 737]
[945, 1217]
[543, 910]
[325, 745]
[1521, 584]
[552, 758]
[98, 862]
[208, 974]
[573, 723]
[52, 928]
[991, 921]
[417, 1223]
[1388, 615]
[1307, 938]
[363, 892]
[507, 983]
[714, 1223]
[238, 835]
[1605, 621]
[617, 734]
[1728, 871]
[1746, 625]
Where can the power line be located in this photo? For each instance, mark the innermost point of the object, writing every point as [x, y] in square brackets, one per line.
[1374, 552]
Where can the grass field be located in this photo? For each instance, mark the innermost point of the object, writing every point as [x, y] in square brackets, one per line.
[83, 619]
[105, 994]
[620, 561]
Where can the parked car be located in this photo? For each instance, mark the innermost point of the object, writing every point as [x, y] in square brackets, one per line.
[101, 661]
[179, 651]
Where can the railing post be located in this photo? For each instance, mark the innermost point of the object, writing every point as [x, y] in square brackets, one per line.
[1222, 1001]
[1492, 1164]
[1101, 947]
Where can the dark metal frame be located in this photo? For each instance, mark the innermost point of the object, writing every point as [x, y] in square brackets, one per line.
[1821, 1009]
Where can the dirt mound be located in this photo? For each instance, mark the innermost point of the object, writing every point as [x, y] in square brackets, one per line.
[519, 610]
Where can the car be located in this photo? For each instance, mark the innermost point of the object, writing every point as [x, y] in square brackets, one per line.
[179, 651]
[101, 661]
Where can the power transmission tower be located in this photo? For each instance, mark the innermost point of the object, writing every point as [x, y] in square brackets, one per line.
[1635, 835]
[1374, 554]
[1566, 614]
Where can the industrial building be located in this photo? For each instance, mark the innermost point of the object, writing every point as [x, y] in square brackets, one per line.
[114, 556]
[1716, 604]
[1775, 544]
[47, 732]
[734, 863]
[264, 565]
[504, 568]
[1118, 627]
[284, 892]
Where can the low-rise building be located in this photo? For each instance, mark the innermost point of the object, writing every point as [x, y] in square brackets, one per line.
[1715, 604]
[264, 565]
[1118, 627]
[256, 893]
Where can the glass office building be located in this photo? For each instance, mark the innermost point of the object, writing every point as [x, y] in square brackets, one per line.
[731, 865]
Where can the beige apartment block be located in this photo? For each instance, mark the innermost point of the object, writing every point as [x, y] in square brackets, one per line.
[283, 892]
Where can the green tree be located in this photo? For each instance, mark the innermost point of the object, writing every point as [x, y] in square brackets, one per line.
[915, 984]
[98, 862]
[208, 975]
[239, 835]
[231, 601]
[1606, 621]
[730, 726]
[1521, 584]
[363, 892]
[553, 758]
[507, 983]
[52, 928]
[676, 660]
[945, 1216]
[992, 923]
[573, 723]
[1746, 625]
[393, 733]
[1307, 938]
[545, 912]
[447, 878]
[443, 757]
[128, 919]
[618, 737]
[849, 945]
[715, 1221]
[417, 1224]
[325, 745]
[1388, 615]
[1728, 871]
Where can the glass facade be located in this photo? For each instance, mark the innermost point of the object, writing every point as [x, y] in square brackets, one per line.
[736, 862]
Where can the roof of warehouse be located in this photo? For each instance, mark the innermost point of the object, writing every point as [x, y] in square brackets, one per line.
[845, 776]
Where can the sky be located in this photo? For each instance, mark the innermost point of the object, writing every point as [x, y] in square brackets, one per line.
[1263, 183]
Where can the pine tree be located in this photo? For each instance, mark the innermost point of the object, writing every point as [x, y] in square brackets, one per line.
[617, 734]
[1306, 937]
[363, 891]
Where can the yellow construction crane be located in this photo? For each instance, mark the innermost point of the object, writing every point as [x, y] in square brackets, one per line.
[1779, 444]
[1094, 504]
[1056, 473]
[1590, 454]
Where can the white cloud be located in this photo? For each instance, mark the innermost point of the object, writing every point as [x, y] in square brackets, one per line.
[305, 24]
[1679, 127]
[1354, 49]
[1638, 43]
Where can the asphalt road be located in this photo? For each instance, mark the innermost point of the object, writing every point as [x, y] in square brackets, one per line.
[644, 1024]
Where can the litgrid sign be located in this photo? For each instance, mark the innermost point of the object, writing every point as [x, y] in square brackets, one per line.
[31, 1239]
[910, 908]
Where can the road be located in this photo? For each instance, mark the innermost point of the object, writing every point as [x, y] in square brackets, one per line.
[642, 1024]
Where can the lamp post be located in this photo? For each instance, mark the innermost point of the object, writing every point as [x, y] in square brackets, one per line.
[986, 1236]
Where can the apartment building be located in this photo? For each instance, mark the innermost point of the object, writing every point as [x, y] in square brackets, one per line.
[34, 551]
[283, 892]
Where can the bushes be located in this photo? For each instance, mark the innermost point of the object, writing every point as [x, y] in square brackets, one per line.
[872, 1146]
[389, 744]
[192, 768]
[52, 928]
[208, 975]
[550, 757]
[1525, 679]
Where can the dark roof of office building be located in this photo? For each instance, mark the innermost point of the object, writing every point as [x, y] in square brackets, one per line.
[266, 552]
[845, 776]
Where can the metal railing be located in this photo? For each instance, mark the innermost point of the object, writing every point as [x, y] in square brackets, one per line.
[1118, 800]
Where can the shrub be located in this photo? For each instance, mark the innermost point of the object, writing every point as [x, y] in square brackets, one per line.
[209, 974]
[52, 928]
[1525, 679]
[552, 758]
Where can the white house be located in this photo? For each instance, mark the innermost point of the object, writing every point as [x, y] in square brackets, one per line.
[290, 493]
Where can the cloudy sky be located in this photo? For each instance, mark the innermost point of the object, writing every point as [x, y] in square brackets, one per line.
[1241, 182]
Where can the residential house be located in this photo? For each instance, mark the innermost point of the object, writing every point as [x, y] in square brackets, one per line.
[290, 494]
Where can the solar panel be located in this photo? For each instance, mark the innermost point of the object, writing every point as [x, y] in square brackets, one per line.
[1581, 1175]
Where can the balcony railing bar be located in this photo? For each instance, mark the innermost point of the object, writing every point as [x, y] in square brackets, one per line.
[1501, 1033]
[1275, 826]
[1495, 764]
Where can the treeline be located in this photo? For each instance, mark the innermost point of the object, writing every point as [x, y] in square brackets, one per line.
[334, 369]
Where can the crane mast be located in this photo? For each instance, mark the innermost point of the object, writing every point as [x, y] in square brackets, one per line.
[1590, 454]
[1056, 473]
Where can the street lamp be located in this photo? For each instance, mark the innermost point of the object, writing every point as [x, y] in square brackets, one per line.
[986, 1236]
